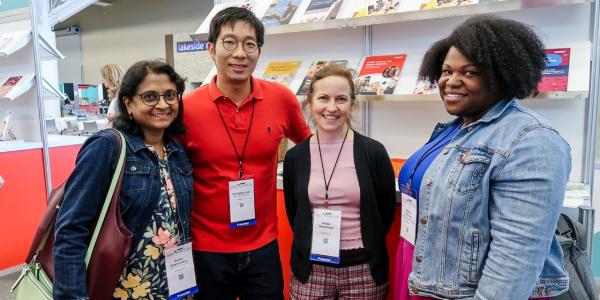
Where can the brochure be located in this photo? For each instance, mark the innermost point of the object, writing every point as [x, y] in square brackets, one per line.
[319, 10]
[4, 126]
[13, 41]
[424, 87]
[280, 12]
[379, 74]
[247, 4]
[364, 8]
[314, 67]
[555, 76]
[15, 86]
[281, 72]
[446, 3]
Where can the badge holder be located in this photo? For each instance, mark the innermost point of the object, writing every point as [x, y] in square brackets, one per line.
[241, 202]
[326, 236]
[181, 277]
[408, 220]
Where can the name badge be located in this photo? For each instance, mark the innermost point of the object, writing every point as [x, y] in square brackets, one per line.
[181, 278]
[325, 246]
[241, 203]
[408, 224]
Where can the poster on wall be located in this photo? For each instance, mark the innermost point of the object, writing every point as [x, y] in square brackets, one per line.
[280, 12]
[555, 76]
[319, 10]
[314, 67]
[281, 72]
[379, 74]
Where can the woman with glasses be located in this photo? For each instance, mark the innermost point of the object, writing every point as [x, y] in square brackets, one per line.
[156, 191]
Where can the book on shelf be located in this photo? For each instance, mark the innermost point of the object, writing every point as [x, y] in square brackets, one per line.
[280, 12]
[379, 74]
[424, 87]
[318, 10]
[431, 4]
[314, 67]
[364, 8]
[281, 72]
[14, 86]
[13, 41]
[555, 76]
[253, 5]
[4, 126]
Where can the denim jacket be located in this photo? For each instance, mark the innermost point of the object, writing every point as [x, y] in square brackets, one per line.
[87, 187]
[488, 207]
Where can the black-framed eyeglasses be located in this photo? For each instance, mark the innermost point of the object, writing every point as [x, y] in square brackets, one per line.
[230, 44]
[152, 98]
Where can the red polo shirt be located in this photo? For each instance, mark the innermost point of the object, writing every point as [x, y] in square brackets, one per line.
[277, 114]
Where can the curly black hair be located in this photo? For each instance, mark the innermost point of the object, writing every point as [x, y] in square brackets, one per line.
[128, 89]
[509, 54]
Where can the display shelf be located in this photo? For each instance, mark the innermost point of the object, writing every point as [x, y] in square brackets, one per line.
[52, 92]
[567, 96]
[15, 15]
[18, 145]
[416, 15]
[49, 52]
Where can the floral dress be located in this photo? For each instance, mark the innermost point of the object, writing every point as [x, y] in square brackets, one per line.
[144, 275]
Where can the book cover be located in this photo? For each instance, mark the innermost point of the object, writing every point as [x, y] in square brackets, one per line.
[319, 10]
[555, 76]
[280, 12]
[446, 3]
[9, 85]
[364, 8]
[424, 87]
[314, 67]
[281, 72]
[379, 74]
[205, 26]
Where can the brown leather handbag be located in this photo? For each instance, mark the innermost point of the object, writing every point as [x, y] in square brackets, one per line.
[110, 244]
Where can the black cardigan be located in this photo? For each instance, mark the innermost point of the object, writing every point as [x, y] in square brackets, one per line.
[377, 204]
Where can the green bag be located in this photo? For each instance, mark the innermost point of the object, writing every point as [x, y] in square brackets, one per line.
[34, 283]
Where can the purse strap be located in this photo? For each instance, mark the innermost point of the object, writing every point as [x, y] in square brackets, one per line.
[109, 196]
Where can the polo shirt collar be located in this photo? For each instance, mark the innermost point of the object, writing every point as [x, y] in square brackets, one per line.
[256, 90]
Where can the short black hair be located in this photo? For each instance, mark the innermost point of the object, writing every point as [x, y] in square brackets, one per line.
[509, 54]
[229, 16]
[129, 88]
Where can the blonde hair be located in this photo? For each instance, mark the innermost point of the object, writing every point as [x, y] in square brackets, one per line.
[111, 74]
[333, 70]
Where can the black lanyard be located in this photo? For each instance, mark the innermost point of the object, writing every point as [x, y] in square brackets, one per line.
[437, 145]
[327, 182]
[240, 158]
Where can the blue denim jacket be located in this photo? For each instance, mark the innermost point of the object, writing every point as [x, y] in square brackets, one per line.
[85, 192]
[488, 208]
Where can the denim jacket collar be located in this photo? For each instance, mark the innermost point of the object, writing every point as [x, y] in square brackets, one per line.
[495, 112]
[136, 143]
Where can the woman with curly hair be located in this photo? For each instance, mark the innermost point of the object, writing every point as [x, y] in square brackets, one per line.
[481, 198]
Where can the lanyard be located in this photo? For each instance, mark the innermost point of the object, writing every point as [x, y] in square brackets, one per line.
[240, 158]
[327, 182]
[440, 143]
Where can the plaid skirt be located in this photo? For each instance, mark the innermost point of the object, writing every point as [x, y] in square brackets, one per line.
[325, 282]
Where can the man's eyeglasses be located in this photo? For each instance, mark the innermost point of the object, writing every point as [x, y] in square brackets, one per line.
[152, 98]
[231, 44]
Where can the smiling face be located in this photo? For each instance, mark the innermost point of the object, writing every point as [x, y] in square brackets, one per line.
[237, 65]
[153, 119]
[331, 105]
[463, 88]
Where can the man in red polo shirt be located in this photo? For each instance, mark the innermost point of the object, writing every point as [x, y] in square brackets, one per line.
[235, 124]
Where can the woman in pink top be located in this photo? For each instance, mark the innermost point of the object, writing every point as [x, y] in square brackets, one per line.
[340, 198]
